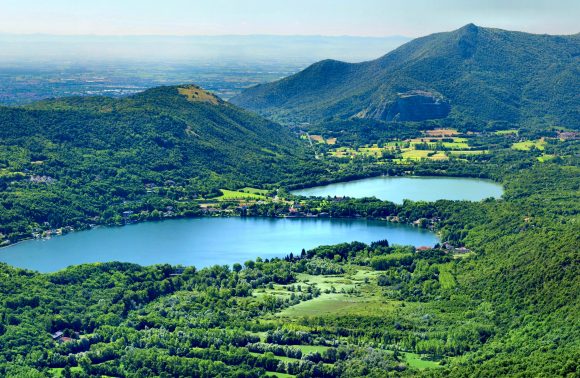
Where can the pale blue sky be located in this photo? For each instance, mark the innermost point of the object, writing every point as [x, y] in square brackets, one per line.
[287, 17]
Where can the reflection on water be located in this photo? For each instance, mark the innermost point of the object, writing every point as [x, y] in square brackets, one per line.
[397, 189]
[204, 241]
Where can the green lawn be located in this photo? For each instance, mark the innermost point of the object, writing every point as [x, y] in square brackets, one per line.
[228, 195]
[446, 278]
[247, 189]
[414, 360]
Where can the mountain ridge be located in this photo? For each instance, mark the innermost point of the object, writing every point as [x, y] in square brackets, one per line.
[488, 75]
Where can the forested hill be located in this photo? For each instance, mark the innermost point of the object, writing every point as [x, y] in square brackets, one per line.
[167, 131]
[472, 74]
[75, 161]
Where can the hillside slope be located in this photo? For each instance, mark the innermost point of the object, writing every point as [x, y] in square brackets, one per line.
[472, 74]
[66, 161]
[164, 129]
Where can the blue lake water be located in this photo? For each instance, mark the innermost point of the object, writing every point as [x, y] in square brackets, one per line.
[416, 188]
[204, 241]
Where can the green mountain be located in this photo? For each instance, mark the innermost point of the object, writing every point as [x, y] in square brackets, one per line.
[168, 131]
[65, 161]
[473, 74]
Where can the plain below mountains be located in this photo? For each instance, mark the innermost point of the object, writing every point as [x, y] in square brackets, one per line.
[472, 75]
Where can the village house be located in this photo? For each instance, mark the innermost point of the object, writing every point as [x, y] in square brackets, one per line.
[127, 214]
[57, 335]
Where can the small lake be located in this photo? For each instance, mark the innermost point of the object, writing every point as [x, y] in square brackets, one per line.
[416, 188]
[204, 241]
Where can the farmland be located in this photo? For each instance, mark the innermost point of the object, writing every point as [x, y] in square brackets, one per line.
[527, 145]
[242, 194]
[435, 145]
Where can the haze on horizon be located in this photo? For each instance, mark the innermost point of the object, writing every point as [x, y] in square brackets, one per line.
[378, 18]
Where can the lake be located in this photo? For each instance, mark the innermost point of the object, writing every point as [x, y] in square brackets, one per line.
[416, 188]
[204, 241]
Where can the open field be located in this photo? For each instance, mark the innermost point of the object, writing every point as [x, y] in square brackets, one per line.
[280, 375]
[438, 147]
[506, 132]
[352, 293]
[442, 132]
[446, 278]
[317, 138]
[194, 94]
[262, 192]
[414, 360]
[528, 144]
[545, 157]
[416, 154]
[228, 195]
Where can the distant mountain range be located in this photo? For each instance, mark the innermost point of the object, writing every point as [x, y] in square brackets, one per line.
[471, 75]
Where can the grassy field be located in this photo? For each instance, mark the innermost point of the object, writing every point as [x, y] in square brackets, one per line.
[545, 157]
[416, 154]
[446, 278]
[439, 148]
[243, 194]
[355, 293]
[325, 304]
[262, 192]
[415, 361]
[279, 375]
[57, 372]
[456, 145]
[528, 144]
[506, 132]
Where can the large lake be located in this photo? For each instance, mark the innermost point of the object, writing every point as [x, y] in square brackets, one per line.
[416, 188]
[204, 241]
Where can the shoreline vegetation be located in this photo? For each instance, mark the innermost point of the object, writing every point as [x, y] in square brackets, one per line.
[236, 210]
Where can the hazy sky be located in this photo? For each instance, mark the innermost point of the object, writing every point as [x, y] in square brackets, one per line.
[295, 17]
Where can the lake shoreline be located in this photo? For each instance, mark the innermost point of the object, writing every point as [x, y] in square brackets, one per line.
[343, 180]
[351, 178]
[211, 216]
[208, 241]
